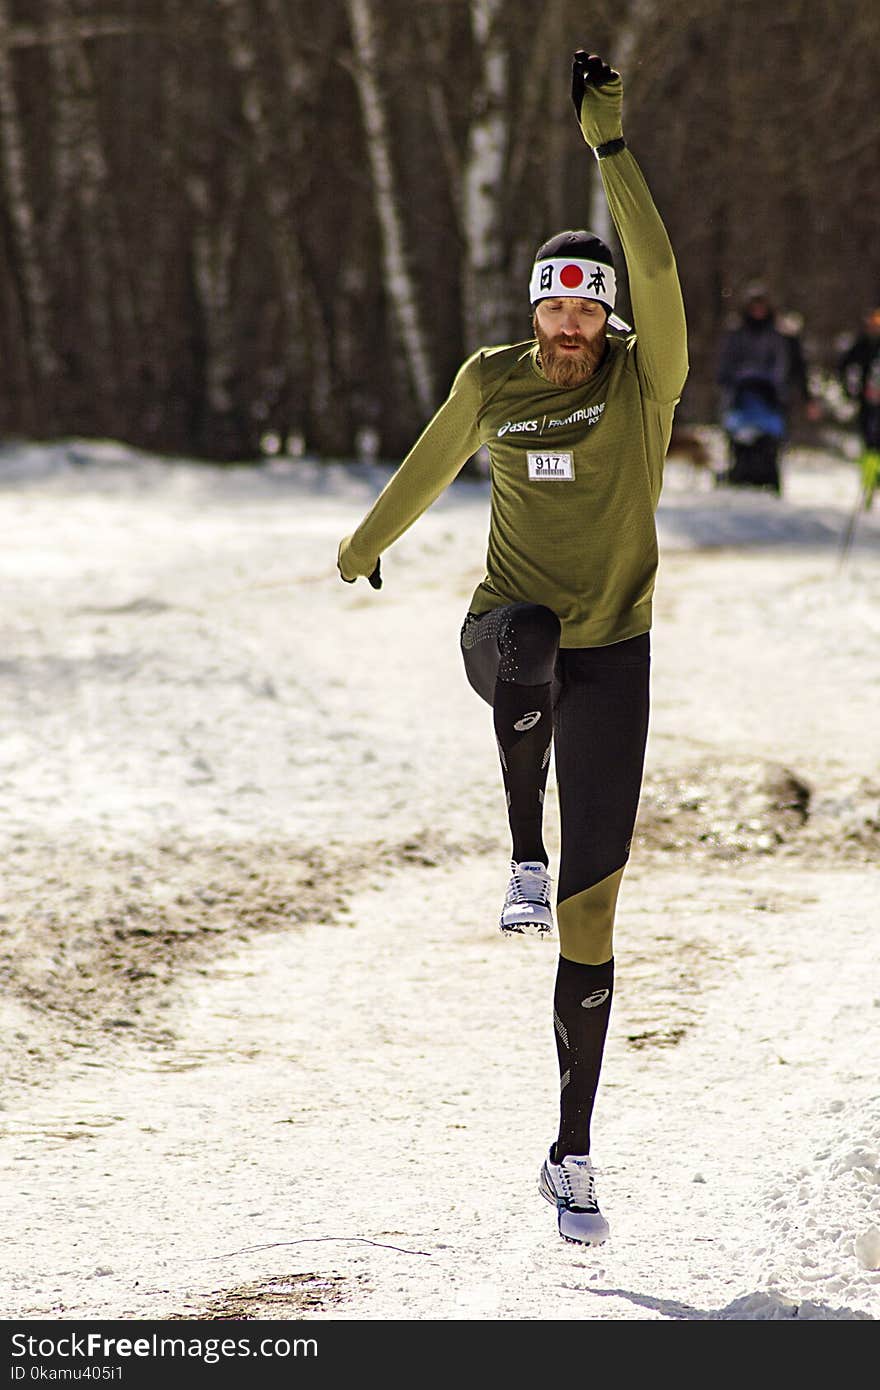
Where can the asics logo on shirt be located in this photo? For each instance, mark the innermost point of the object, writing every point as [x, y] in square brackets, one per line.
[528, 721]
[519, 427]
[593, 1000]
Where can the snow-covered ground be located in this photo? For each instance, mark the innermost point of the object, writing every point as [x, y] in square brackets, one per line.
[265, 1054]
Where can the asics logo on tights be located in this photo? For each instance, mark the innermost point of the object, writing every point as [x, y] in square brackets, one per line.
[593, 1000]
[528, 721]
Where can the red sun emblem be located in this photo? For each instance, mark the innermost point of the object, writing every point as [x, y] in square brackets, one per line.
[571, 276]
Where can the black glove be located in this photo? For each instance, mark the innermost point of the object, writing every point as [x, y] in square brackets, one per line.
[587, 70]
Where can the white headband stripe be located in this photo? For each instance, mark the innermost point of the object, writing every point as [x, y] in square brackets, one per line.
[578, 279]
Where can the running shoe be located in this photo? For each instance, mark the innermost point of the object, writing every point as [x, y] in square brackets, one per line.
[571, 1184]
[526, 910]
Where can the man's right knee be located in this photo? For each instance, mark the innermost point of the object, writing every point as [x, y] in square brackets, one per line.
[531, 644]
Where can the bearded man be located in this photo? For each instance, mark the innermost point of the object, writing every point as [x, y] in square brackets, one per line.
[557, 635]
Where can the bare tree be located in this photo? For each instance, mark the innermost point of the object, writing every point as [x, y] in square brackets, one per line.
[34, 285]
[83, 189]
[399, 281]
[483, 202]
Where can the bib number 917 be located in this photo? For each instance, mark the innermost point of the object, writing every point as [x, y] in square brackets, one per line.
[551, 468]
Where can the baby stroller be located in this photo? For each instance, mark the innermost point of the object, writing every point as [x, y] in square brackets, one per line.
[754, 423]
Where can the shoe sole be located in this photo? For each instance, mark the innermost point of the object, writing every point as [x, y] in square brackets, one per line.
[540, 931]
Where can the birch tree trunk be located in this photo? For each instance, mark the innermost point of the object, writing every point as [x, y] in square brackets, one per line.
[630, 36]
[214, 247]
[432, 26]
[216, 180]
[305, 345]
[485, 292]
[83, 173]
[545, 119]
[399, 281]
[162, 411]
[33, 286]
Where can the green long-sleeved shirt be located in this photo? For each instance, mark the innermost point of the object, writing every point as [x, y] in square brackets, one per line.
[575, 472]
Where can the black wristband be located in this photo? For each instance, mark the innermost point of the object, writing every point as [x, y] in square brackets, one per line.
[610, 147]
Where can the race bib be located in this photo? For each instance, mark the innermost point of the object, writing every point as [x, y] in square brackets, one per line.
[551, 468]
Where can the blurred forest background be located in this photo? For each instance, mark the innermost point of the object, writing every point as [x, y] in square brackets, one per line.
[223, 220]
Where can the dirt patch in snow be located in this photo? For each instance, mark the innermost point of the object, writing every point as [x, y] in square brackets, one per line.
[95, 940]
[285, 1296]
[725, 809]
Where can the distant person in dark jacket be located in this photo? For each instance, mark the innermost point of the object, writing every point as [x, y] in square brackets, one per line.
[859, 369]
[755, 350]
[755, 377]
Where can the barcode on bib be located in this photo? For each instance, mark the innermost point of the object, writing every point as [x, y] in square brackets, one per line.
[551, 468]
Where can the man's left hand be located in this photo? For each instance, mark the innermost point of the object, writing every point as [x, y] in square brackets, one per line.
[587, 69]
[597, 94]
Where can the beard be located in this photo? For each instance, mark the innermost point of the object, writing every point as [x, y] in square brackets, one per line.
[561, 366]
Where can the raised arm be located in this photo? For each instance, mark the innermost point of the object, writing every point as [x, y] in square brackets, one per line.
[655, 293]
[437, 456]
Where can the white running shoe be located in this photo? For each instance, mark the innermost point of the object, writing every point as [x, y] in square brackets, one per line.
[571, 1184]
[526, 908]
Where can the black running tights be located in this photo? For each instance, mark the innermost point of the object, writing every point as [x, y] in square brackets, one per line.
[595, 701]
